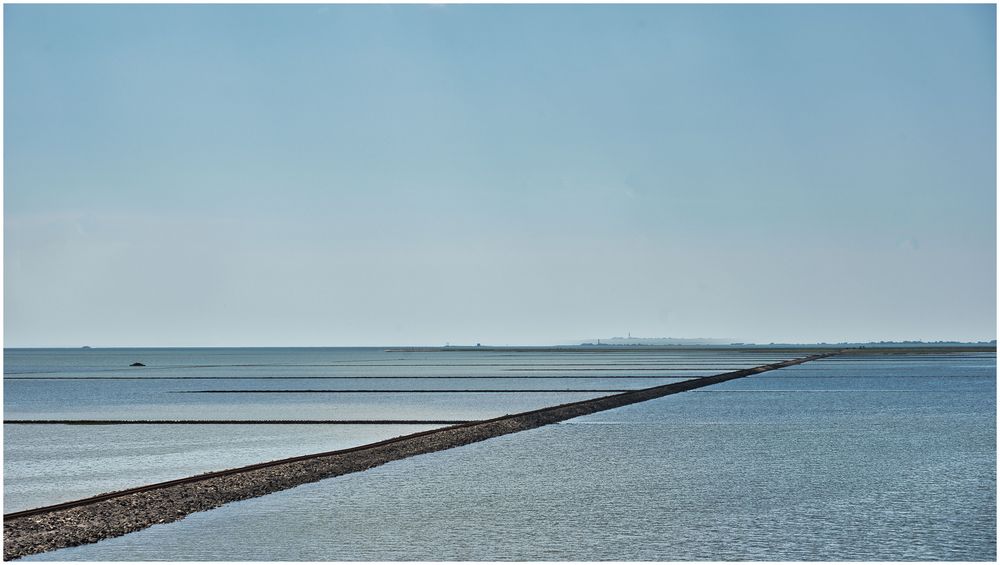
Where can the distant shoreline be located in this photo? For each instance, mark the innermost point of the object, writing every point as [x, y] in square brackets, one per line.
[777, 348]
[899, 345]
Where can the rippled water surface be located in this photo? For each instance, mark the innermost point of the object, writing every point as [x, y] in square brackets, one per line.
[51, 464]
[843, 459]
[46, 464]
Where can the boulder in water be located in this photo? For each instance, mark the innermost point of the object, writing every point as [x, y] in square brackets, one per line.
[137, 364]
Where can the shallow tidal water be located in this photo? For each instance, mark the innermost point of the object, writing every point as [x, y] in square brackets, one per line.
[50, 464]
[851, 458]
[47, 464]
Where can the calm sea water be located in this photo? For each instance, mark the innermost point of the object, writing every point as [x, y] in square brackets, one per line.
[852, 458]
[46, 464]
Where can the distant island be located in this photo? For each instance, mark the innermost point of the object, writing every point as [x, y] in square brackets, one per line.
[661, 341]
[623, 343]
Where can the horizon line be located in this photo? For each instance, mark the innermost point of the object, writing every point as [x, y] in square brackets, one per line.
[496, 346]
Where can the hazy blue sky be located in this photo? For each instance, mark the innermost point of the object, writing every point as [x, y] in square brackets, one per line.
[354, 175]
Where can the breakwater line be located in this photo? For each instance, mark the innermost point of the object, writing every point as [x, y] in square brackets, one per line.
[227, 422]
[114, 514]
[401, 391]
[378, 377]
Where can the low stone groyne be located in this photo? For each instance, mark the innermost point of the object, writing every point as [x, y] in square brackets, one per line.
[114, 514]
[230, 422]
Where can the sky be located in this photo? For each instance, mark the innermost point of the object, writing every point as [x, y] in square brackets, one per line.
[184, 175]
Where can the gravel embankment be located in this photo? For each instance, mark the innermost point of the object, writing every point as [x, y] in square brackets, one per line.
[106, 516]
